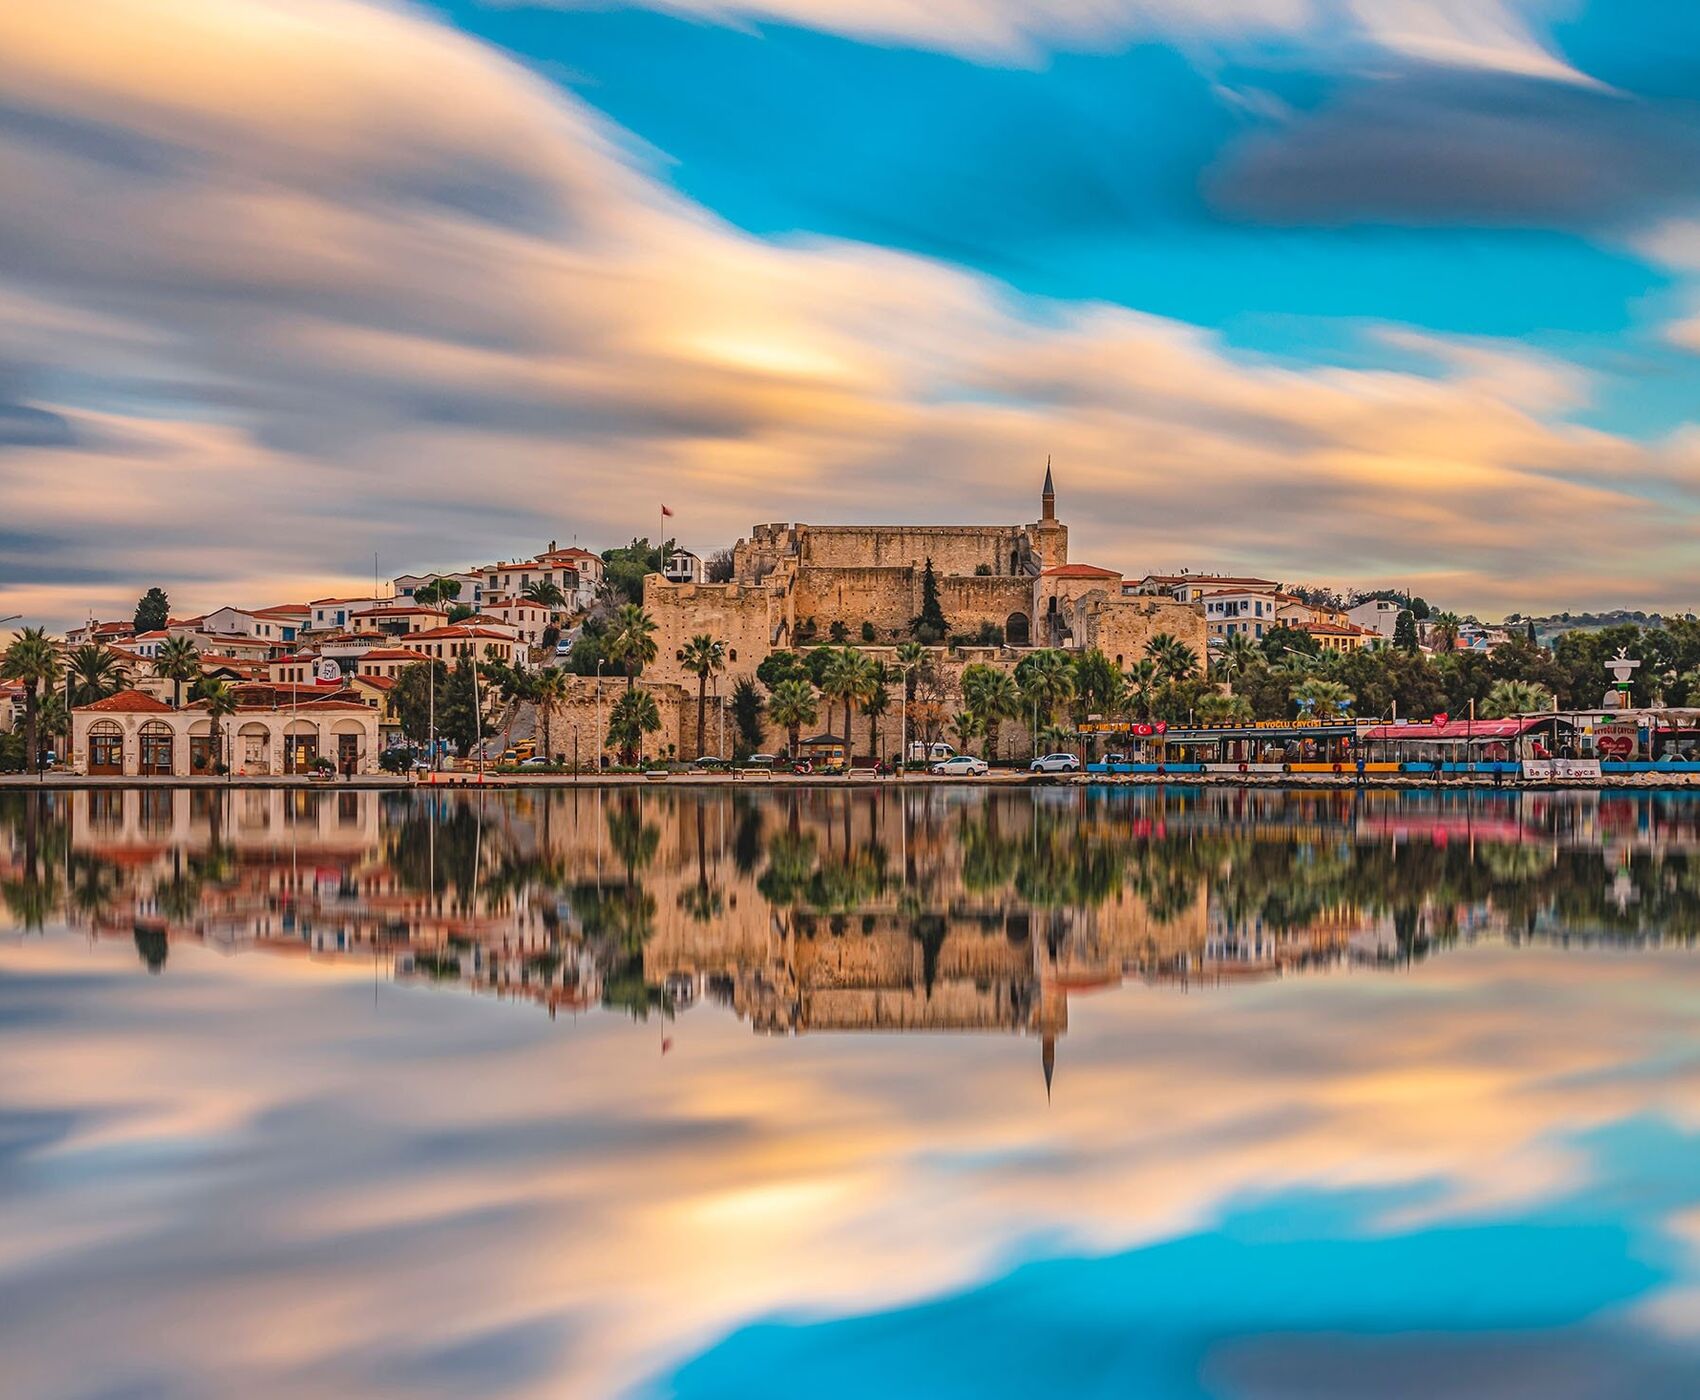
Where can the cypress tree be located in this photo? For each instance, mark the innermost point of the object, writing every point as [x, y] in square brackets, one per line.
[929, 627]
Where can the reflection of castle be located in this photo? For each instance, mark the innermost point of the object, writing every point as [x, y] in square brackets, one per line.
[811, 910]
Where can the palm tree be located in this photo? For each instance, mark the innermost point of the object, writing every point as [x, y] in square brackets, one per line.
[549, 690]
[990, 696]
[1324, 699]
[791, 706]
[179, 662]
[843, 679]
[911, 656]
[1141, 687]
[1446, 627]
[220, 701]
[705, 656]
[965, 729]
[875, 702]
[631, 641]
[1510, 698]
[31, 660]
[1047, 684]
[95, 672]
[1224, 709]
[634, 715]
[546, 593]
[1238, 656]
[1175, 660]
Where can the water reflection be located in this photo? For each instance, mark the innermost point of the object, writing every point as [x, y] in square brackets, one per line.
[849, 909]
[1426, 1130]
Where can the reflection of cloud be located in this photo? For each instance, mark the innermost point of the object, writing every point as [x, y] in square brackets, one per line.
[311, 309]
[369, 1189]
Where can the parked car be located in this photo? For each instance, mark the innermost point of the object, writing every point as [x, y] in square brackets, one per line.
[761, 760]
[710, 763]
[929, 753]
[962, 765]
[1055, 763]
[1115, 758]
[535, 761]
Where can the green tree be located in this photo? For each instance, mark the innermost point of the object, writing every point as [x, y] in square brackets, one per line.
[1239, 654]
[1510, 698]
[1046, 678]
[1176, 661]
[704, 657]
[546, 593]
[94, 672]
[631, 642]
[411, 700]
[746, 716]
[549, 691]
[1280, 642]
[457, 708]
[989, 696]
[1223, 709]
[779, 666]
[929, 626]
[153, 611]
[31, 661]
[180, 663]
[625, 567]
[1322, 699]
[791, 706]
[220, 703]
[1405, 632]
[634, 715]
[874, 702]
[844, 679]
[437, 592]
[1446, 627]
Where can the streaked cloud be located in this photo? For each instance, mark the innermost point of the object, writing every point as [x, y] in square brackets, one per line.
[270, 303]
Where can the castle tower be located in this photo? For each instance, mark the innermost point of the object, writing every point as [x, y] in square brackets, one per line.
[1048, 497]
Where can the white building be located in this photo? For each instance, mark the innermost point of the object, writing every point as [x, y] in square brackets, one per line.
[1377, 615]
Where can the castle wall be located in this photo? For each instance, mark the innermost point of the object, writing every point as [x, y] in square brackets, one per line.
[744, 618]
[888, 597]
[1120, 626]
[972, 600]
[578, 718]
[954, 549]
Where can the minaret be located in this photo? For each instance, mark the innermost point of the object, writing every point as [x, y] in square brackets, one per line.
[1047, 535]
[1048, 1060]
[1048, 496]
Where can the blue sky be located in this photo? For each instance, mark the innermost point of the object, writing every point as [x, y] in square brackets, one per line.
[1364, 291]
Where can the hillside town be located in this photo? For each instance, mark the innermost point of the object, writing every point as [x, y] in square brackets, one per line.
[833, 647]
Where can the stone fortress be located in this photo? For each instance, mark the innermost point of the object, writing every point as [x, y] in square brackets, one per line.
[1009, 588]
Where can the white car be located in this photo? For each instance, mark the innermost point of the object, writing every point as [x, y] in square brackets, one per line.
[962, 765]
[1055, 763]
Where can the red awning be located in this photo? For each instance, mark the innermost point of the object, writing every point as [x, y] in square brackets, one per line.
[1455, 729]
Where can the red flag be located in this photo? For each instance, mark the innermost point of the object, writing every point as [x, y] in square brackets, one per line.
[666, 510]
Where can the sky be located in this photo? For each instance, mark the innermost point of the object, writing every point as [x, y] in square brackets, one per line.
[1368, 292]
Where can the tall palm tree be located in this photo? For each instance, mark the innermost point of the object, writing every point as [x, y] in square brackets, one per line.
[990, 696]
[1325, 699]
[1447, 626]
[965, 729]
[179, 662]
[31, 660]
[220, 702]
[631, 640]
[634, 714]
[546, 593]
[95, 672]
[1224, 709]
[1238, 656]
[791, 706]
[874, 702]
[705, 656]
[843, 679]
[911, 656]
[1142, 688]
[1047, 684]
[1510, 698]
[548, 689]
[1176, 661]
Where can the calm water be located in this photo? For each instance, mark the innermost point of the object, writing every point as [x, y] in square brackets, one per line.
[832, 1093]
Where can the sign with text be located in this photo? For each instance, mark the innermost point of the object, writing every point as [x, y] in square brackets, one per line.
[1566, 768]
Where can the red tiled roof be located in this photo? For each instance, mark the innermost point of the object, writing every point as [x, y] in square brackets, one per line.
[450, 633]
[1078, 571]
[388, 611]
[393, 654]
[382, 682]
[129, 702]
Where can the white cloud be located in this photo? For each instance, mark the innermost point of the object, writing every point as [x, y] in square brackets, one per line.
[294, 306]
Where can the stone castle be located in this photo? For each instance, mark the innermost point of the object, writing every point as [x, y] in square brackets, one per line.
[1008, 587]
